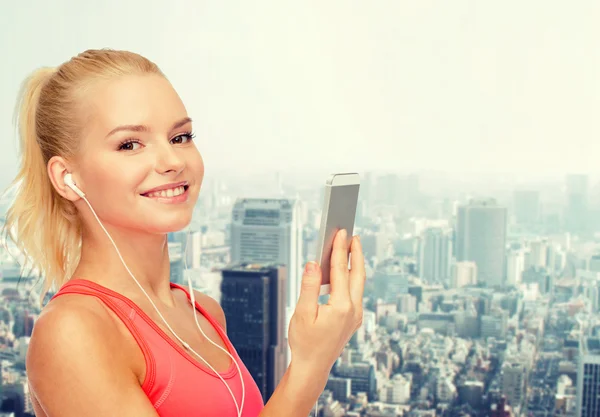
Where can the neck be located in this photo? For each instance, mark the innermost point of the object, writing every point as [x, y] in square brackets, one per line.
[146, 256]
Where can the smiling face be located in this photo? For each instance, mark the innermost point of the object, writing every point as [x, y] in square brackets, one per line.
[138, 164]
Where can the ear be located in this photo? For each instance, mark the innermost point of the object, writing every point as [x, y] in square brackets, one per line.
[57, 168]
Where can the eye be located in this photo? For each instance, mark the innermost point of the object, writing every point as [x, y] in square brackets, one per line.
[129, 145]
[183, 138]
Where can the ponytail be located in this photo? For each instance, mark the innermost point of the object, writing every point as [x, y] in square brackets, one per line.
[36, 221]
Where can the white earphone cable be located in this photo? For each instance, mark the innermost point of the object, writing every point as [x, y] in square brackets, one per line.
[193, 301]
[186, 345]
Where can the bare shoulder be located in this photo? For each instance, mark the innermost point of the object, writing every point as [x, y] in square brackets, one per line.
[212, 306]
[69, 325]
[73, 361]
[69, 313]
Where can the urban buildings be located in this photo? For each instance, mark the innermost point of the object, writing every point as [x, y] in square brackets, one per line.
[253, 298]
[481, 238]
[269, 231]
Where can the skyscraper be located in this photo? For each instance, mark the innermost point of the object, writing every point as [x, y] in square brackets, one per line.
[177, 244]
[588, 378]
[538, 255]
[481, 238]
[269, 231]
[193, 249]
[253, 297]
[514, 377]
[594, 263]
[576, 210]
[515, 265]
[435, 254]
[463, 274]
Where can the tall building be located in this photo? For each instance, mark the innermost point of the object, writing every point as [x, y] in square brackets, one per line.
[471, 392]
[527, 207]
[269, 231]
[339, 387]
[576, 210]
[193, 249]
[387, 189]
[539, 276]
[191, 246]
[390, 279]
[406, 303]
[397, 390]
[435, 255]
[375, 244]
[184, 250]
[514, 377]
[481, 238]
[253, 298]
[588, 378]
[494, 325]
[467, 323]
[594, 263]
[515, 265]
[366, 194]
[361, 375]
[464, 274]
[538, 255]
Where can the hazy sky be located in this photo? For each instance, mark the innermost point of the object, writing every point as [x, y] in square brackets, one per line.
[511, 86]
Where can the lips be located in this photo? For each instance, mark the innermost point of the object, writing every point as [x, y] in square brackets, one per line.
[167, 191]
[166, 187]
[171, 192]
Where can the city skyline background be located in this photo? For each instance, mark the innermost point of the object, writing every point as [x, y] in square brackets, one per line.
[505, 90]
[474, 128]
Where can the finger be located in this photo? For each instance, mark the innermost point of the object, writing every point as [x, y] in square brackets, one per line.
[338, 275]
[357, 272]
[308, 302]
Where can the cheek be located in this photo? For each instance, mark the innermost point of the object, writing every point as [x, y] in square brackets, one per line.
[122, 178]
[197, 166]
[113, 189]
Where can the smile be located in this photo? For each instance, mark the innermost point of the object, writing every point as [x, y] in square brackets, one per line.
[171, 195]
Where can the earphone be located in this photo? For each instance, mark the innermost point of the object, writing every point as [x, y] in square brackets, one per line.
[68, 180]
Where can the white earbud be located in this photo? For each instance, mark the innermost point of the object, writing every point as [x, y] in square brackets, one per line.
[71, 184]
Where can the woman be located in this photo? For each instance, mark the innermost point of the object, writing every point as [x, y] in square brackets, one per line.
[113, 122]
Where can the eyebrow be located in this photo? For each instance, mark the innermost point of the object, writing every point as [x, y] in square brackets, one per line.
[142, 128]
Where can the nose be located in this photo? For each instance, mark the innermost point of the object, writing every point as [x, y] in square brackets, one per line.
[168, 159]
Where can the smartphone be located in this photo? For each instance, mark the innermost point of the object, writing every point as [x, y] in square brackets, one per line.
[339, 212]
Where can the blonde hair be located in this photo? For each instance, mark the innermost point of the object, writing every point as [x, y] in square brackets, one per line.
[43, 225]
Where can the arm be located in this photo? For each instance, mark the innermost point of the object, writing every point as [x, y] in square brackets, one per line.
[73, 369]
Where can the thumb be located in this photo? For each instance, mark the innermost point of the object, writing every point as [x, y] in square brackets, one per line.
[308, 302]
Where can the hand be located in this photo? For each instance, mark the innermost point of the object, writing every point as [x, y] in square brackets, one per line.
[319, 333]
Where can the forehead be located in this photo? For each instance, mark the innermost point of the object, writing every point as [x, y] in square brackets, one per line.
[147, 99]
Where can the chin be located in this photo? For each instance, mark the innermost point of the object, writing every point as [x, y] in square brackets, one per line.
[177, 225]
[166, 225]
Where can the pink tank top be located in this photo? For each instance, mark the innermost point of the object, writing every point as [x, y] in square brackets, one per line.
[176, 383]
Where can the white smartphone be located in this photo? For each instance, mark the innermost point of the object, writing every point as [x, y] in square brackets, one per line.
[339, 212]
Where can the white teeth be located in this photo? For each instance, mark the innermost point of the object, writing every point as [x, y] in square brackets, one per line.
[171, 192]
